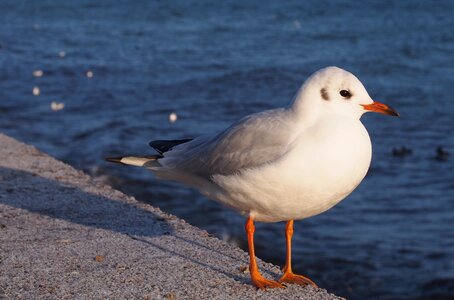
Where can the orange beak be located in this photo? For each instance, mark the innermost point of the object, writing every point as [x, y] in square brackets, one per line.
[381, 108]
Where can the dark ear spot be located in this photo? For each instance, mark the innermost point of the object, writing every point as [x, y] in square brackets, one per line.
[324, 94]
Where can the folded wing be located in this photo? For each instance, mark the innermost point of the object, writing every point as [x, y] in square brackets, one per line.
[253, 141]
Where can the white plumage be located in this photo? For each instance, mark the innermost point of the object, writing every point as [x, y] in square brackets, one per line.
[282, 164]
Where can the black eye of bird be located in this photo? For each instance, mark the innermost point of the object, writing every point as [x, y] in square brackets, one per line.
[345, 94]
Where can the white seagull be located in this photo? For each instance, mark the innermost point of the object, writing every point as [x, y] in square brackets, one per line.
[282, 164]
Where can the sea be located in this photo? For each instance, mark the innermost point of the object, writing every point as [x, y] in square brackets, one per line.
[87, 79]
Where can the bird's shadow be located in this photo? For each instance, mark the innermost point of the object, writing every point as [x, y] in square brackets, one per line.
[67, 202]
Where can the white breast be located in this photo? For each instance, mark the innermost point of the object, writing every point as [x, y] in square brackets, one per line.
[324, 165]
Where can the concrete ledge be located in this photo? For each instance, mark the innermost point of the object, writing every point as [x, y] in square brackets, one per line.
[65, 236]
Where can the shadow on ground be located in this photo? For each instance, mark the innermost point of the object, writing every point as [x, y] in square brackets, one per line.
[61, 200]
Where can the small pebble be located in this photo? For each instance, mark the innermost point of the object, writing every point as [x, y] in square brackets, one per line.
[56, 106]
[38, 73]
[173, 117]
[89, 74]
[170, 296]
[36, 91]
[244, 269]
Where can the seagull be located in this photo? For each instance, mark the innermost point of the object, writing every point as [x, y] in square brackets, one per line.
[278, 165]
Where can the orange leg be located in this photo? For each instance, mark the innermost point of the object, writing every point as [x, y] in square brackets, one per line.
[288, 276]
[257, 279]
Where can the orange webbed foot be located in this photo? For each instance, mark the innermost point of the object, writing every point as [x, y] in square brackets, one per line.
[298, 279]
[264, 283]
[261, 282]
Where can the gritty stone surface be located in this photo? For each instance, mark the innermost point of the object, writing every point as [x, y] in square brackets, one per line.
[63, 235]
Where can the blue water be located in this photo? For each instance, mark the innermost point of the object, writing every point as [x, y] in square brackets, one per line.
[212, 63]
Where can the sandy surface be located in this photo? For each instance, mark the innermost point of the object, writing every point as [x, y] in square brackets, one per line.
[64, 235]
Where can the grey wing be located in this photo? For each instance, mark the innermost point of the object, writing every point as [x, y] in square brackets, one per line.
[253, 141]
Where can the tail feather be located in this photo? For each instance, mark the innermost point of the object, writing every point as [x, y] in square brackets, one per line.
[139, 161]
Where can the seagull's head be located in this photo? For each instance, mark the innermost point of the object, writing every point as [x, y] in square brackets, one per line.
[336, 91]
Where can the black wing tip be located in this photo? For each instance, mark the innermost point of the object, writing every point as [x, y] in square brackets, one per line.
[153, 145]
[165, 145]
[114, 159]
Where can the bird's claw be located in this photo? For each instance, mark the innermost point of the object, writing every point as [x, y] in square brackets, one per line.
[263, 283]
[298, 279]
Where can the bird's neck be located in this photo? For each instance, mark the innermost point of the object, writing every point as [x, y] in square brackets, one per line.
[303, 108]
